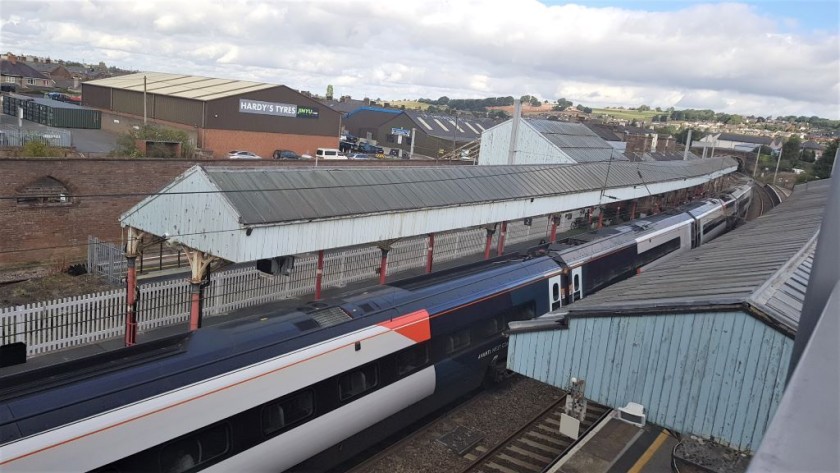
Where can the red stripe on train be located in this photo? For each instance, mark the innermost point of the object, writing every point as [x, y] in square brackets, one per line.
[414, 325]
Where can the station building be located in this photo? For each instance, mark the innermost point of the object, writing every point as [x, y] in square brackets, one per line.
[219, 114]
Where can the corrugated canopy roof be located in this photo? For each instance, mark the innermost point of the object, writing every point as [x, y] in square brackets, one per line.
[184, 86]
[579, 142]
[764, 264]
[326, 193]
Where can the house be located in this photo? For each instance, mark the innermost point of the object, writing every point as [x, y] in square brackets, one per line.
[22, 75]
[811, 145]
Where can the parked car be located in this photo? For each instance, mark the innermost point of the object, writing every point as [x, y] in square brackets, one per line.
[370, 149]
[329, 153]
[358, 156]
[243, 155]
[285, 154]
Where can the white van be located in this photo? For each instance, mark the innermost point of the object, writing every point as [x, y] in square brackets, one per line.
[329, 153]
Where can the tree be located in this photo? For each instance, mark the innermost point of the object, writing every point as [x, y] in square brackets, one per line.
[443, 100]
[790, 150]
[643, 108]
[822, 168]
[807, 156]
[583, 109]
[562, 104]
[329, 92]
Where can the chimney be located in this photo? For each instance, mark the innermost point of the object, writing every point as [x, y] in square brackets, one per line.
[12, 58]
[75, 82]
[367, 101]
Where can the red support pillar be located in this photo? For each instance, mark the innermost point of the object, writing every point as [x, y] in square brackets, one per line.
[590, 218]
[131, 302]
[383, 266]
[489, 243]
[501, 248]
[601, 218]
[195, 305]
[319, 274]
[552, 237]
[430, 252]
[633, 211]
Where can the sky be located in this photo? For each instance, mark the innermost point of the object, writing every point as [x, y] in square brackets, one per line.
[751, 57]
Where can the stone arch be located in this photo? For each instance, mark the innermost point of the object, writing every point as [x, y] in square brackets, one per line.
[46, 190]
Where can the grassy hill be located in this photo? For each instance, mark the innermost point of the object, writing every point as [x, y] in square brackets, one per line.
[626, 114]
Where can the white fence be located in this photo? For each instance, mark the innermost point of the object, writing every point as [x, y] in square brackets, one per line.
[59, 324]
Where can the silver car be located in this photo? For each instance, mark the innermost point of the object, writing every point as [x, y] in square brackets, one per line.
[242, 155]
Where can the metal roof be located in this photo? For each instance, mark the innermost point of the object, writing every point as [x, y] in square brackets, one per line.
[184, 86]
[308, 194]
[759, 140]
[764, 264]
[579, 142]
[450, 127]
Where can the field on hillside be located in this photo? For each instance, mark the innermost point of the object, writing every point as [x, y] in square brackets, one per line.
[409, 104]
[626, 114]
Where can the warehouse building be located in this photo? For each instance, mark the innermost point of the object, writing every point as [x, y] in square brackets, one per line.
[220, 114]
[433, 134]
[540, 141]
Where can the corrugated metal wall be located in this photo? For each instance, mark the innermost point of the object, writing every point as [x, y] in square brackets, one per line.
[714, 375]
[96, 96]
[127, 101]
[179, 110]
[531, 148]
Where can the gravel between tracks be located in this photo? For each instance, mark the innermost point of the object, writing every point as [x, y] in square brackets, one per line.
[496, 413]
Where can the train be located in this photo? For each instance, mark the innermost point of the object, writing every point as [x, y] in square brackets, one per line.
[307, 388]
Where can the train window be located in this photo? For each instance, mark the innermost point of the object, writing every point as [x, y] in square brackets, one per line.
[356, 382]
[713, 224]
[458, 340]
[488, 328]
[411, 359]
[193, 450]
[657, 252]
[555, 291]
[577, 282]
[523, 312]
[287, 411]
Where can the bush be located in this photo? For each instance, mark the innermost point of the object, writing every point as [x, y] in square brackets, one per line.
[38, 149]
[126, 142]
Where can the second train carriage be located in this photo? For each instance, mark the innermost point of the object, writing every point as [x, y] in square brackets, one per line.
[308, 388]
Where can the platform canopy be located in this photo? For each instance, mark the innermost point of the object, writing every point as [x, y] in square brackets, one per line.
[248, 214]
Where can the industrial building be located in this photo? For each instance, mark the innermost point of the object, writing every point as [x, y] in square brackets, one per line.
[364, 122]
[540, 141]
[702, 341]
[220, 114]
[434, 135]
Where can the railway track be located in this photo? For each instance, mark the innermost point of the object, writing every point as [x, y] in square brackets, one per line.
[533, 447]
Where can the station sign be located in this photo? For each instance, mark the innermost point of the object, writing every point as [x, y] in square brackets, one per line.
[400, 132]
[277, 109]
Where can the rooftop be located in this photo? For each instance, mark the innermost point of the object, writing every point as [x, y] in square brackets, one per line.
[180, 85]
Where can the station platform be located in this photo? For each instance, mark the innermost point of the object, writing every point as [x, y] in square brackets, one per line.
[616, 446]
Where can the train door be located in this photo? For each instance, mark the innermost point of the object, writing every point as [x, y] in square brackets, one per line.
[576, 286]
[555, 292]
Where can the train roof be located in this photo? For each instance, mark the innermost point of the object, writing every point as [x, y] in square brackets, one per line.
[763, 266]
[586, 245]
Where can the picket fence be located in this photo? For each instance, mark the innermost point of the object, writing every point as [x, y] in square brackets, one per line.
[54, 325]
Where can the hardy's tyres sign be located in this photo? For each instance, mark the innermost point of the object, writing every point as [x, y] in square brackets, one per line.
[277, 109]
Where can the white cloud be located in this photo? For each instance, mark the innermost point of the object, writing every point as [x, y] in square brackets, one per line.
[728, 57]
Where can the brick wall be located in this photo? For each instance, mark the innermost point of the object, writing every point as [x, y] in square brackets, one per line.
[666, 143]
[63, 227]
[638, 143]
[264, 144]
